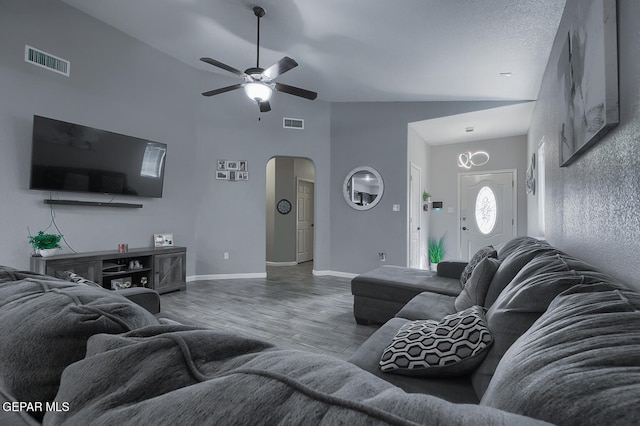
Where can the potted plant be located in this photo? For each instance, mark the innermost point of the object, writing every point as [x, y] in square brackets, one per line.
[436, 252]
[45, 244]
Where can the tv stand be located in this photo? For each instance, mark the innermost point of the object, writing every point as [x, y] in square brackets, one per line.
[163, 268]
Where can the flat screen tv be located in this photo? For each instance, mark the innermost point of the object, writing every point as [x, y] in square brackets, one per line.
[71, 157]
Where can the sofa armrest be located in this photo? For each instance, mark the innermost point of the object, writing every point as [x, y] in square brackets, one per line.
[451, 269]
[145, 297]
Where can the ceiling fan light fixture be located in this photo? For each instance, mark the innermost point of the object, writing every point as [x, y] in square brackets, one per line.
[258, 92]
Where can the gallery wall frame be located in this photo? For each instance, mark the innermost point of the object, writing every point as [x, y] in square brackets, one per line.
[588, 78]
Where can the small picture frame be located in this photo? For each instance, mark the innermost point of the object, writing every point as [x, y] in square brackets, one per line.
[222, 164]
[222, 174]
[232, 165]
[162, 240]
[233, 175]
[242, 176]
[243, 166]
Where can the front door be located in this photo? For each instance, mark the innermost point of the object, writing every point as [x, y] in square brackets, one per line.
[487, 210]
[304, 244]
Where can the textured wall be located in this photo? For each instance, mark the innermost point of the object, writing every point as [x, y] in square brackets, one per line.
[591, 207]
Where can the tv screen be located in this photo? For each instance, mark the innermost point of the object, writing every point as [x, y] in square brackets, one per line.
[71, 157]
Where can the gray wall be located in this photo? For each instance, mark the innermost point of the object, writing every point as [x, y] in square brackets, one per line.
[375, 135]
[419, 153]
[116, 84]
[504, 153]
[230, 216]
[592, 205]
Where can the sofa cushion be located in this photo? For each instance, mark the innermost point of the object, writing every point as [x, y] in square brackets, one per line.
[578, 364]
[521, 303]
[44, 326]
[428, 305]
[481, 254]
[477, 285]
[511, 265]
[452, 346]
[196, 377]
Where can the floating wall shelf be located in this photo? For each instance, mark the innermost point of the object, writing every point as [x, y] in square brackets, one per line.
[93, 203]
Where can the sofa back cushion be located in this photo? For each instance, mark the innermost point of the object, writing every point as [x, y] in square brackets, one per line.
[517, 308]
[511, 265]
[578, 364]
[44, 326]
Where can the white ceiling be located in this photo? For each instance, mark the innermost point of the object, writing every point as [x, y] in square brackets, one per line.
[360, 50]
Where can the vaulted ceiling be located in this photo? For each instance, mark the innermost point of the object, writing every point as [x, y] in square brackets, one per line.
[359, 50]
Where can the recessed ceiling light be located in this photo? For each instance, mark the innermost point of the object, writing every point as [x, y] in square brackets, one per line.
[469, 129]
[505, 74]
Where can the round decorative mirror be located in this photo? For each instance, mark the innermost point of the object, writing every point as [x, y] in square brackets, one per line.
[363, 188]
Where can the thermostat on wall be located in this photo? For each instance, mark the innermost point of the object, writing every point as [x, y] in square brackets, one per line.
[437, 205]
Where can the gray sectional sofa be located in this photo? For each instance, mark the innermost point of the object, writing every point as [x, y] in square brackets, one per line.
[566, 339]
[565, 349]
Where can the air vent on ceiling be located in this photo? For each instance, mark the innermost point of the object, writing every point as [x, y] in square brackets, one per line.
[293, 123]
[45, 60]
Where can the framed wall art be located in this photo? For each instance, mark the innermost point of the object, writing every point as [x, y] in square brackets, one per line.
[588, 78]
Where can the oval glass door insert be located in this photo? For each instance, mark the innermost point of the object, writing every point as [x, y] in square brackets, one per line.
[486, 210]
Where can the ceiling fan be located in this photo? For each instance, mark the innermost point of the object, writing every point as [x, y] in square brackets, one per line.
[258, 82]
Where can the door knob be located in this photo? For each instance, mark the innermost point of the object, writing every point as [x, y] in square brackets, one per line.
[464, 228]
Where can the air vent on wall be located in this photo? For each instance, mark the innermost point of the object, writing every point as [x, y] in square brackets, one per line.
[293, 123]
[46, 60]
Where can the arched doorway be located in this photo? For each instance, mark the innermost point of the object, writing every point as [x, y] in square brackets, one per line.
[290, 211]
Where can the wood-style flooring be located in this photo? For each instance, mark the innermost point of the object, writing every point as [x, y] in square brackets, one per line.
[290, 308]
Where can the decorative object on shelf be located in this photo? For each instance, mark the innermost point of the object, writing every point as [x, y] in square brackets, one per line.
[45, 244]
[232, 170]
[436, 252]
[470, 159]
[135, 264]
[144, 281]
[162, 240]
[363, 188]
[587, 76]
[123, 248]
[120, 283]
[531, 180]
[283, 206]
[426, 197]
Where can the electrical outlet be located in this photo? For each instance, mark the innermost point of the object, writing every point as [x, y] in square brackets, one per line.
[226, 255]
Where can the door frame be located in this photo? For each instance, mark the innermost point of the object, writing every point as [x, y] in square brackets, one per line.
[422, 223]
[514, 206]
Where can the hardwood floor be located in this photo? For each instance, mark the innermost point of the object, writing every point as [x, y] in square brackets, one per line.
[290, 308]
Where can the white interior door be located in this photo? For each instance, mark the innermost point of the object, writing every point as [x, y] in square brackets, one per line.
[414, 217]
[304, 244]
[487, 210]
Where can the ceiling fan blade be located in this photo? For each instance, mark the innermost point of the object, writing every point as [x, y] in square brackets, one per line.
[224, 67]
[279, 68]
[296, 91]
[222, 90]
[264, 106]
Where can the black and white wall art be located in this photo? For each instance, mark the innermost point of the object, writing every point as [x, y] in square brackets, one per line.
[588, 77]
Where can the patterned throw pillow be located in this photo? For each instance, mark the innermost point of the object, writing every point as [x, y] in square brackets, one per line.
[483, 253]
[453, 346]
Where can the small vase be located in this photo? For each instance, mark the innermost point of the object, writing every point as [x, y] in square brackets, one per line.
[434, 267]
[48, 252]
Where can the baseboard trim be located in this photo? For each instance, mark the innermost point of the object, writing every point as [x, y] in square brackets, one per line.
[282, 263]
[334, 274]
[226, 276]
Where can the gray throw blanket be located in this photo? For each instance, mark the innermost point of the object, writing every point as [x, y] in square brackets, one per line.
[174, 374]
